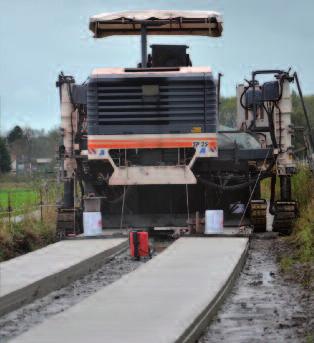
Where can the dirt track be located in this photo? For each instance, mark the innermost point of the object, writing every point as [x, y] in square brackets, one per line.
[263, 307]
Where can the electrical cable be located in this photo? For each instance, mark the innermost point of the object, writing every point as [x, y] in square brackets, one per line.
[230, 187]
[269, 109]
[266, 173]
[241, 98]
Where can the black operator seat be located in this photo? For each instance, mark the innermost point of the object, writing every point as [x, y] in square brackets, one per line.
[169, 56]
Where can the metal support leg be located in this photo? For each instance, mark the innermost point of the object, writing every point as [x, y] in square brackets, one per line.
[286, 210]
[144, 46]
[68, 199]
[285, 188]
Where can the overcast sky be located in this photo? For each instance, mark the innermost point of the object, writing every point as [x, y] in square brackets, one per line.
[40, 38]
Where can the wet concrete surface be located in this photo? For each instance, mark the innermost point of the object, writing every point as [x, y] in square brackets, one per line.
[21, 320]
[159, 302]
[262, 306]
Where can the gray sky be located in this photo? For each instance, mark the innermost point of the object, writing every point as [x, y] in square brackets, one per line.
[39, 38]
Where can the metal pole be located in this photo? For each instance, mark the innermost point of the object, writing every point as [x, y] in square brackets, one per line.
[285, 188]
[74, 203]
[304, 109]
[0, 117]
[220, 75]
[144, 45]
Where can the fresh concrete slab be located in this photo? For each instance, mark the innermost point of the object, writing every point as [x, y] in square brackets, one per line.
[169, 299]
[33, 275]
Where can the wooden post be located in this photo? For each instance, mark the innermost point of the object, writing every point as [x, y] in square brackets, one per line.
[41, 204]
[9, 206]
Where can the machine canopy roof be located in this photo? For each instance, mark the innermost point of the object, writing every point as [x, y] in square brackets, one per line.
[157, 22]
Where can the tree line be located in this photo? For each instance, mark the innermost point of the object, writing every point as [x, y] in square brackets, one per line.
[24, 145]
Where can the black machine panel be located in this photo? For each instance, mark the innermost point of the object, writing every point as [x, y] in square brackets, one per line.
[170, 56]
[79, 94]
[155, 103]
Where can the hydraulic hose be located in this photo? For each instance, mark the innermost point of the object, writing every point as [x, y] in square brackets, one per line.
[230, 188]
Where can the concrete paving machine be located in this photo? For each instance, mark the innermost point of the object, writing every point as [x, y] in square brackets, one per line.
[143, 146]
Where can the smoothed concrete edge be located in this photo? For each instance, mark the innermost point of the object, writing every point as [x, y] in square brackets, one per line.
[196, 329]
[53, 282]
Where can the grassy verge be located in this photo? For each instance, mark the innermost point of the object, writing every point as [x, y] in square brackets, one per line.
[31, 232]
[24, 194]
[298, 257]
[28, 235]
[296, 253]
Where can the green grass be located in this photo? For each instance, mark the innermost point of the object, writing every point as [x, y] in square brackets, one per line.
[265, 188]
[19, 199]
[298, 259]
[310, 338]
[32, 232]
[24, 193]
[301, 186]
[303, 235]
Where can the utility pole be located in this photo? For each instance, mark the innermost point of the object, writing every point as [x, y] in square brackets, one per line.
[0, 119]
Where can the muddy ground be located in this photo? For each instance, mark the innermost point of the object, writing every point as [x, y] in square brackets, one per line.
[263, 306]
